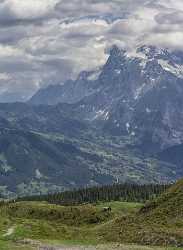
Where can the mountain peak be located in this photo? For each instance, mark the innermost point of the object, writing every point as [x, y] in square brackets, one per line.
[152, 51]
[115, 51]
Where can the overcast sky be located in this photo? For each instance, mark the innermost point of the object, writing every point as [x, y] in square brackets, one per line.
[47, 41]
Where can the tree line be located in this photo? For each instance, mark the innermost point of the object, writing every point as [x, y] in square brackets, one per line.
[116, 192]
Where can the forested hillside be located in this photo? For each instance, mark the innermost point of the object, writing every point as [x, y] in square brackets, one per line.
[117, 192]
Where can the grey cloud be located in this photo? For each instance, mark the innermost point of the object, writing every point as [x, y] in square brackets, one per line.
[15, 12]
[11, 35]
[48, 41]
[173, 18]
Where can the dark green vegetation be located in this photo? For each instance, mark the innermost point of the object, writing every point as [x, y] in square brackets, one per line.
[6, 245]
[51, 223]
[158, 222]
[116, 192]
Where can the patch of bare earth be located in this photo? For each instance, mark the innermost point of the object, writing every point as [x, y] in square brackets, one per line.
[101, 247]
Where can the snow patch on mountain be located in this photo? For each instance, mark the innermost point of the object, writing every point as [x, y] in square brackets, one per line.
[101, 114]
[174, 69]
[94, 75]
[128, 127]
[139, 91]
[148, 110]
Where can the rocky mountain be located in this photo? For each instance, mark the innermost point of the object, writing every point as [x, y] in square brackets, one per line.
[47, 148]
[71, 92]
[120, 123]
[54, 119]
[36, 163]
[139, 95]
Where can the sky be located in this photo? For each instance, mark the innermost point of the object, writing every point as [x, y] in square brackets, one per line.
[46, 42]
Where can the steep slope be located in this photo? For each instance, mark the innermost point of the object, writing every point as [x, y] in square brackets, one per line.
[70, 92]
[173, 154]
[58, 119]
[168, 207]
[159, 222]
[34, 163]
[66, 152]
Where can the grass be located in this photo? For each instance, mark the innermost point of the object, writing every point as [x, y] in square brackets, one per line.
[132, 247]
[7, 245]
[160, 222]
[64, 215]
[91, 225]
[121, 208]
[76, 225]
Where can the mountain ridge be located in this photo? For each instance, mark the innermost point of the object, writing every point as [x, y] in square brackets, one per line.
[127, 116]
[132, 95]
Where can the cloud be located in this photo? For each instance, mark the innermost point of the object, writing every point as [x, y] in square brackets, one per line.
[172, 18]
[48, 41]
[12, 10]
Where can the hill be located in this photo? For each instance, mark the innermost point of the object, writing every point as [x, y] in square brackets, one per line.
[159, 222]
[168, 207]
[44, 222]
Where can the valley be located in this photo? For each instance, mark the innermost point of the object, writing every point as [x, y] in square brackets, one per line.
[35, 161]
[122, 123]
[96, 168]
[91, 125]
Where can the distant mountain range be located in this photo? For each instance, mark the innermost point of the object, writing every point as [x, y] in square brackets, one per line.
[138, 95]
[122, 122]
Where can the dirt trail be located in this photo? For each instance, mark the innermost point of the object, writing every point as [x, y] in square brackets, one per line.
[101, 247]
[9, 232]
[116, 246]
[66, 248]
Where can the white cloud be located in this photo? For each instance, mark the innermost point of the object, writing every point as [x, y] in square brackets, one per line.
[4, 76]
[29, 9]
[48, 41]
[171, 4]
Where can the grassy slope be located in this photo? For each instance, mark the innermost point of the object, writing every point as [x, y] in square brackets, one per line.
[6, 245]
[159, 223]
[42, 221]
[82, 225]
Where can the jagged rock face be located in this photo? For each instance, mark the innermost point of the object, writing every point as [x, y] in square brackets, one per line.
[70, 92]
[140, 95]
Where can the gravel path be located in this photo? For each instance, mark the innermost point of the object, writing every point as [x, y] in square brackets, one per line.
[38, 246]
[66, 248]
[101, 247]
